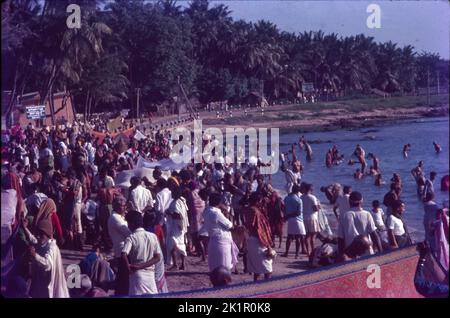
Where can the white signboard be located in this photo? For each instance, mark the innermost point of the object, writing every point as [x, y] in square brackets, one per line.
[35, 112]
[308, 87]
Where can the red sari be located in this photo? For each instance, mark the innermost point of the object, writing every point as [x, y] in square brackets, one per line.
[276, 214]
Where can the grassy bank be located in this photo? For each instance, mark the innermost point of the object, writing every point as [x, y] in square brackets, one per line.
[338, 114]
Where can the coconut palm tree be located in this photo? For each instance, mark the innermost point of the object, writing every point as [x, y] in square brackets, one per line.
[60, 52]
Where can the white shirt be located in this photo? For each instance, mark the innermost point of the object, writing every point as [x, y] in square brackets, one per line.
[163, 200]
[63, 147]
[309, 201]
[291, 179]
[396, 225]
[215, 223]
[378, 219]
[342, 203]
[46, 152]
[118, 231]
[141, 246]
[141, 198]
[178, 227]
[91, 151]
[353, 223]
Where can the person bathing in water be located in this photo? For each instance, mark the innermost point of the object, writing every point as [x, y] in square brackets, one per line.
[379, 181]
[406, 149]
[358, 174]
[437, 147]
[375, 163]
[418, 175]
[372, 171]
[361, 154]
[294, 175]
[308, 149]
[329, 158]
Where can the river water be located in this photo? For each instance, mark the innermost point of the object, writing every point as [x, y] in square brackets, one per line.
[386, 142]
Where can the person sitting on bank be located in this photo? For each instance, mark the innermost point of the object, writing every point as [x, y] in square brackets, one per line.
[328, 253]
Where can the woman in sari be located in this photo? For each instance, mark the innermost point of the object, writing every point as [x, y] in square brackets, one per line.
[259, 243]
[47, 211]
[276, 214]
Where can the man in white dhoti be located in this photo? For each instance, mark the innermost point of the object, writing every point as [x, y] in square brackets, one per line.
[140, 254]
[294, 215]
[177, 225]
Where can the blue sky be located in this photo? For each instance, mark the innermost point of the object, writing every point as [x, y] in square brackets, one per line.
[422, 24]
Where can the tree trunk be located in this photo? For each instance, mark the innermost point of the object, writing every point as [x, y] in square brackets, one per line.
[12, 101]
[91, 100]
[86, 105]
[52, 105]
[92, 105]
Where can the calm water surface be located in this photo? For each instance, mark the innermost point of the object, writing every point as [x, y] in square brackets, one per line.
[386, 142]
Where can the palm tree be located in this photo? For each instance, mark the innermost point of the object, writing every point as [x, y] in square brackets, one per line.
[17, 31]
[104, 82]
[169, 7]
[388, 61]
[62, 55]
[357, 62]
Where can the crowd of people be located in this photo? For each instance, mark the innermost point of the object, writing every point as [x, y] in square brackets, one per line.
[59, 189]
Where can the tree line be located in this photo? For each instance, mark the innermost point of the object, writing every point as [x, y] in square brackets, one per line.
[123, 45]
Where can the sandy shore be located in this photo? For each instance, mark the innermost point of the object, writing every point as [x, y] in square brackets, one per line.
[195, 276]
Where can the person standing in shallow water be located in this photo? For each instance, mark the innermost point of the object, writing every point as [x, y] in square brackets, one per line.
[406, 149]
[329, 158]
[418, 174]
[361, 154]
[294, 175]
[308, 150]
[437, 147]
